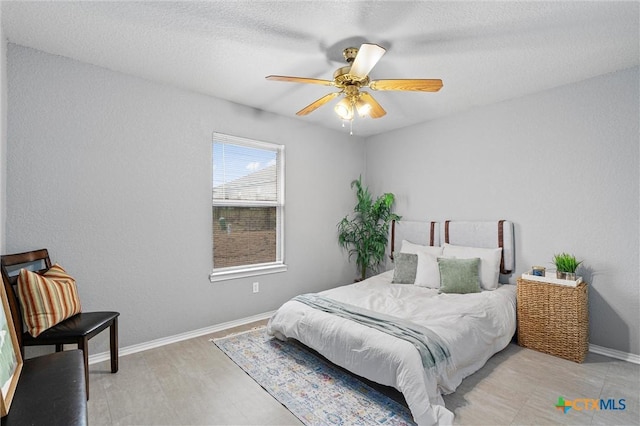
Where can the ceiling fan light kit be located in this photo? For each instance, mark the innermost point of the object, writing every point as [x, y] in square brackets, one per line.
[344, 109]
[351, 78]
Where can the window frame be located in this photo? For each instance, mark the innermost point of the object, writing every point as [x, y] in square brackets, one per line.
[279, 265]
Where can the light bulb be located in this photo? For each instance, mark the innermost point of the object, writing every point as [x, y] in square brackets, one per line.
[344, 109]
[363, 108]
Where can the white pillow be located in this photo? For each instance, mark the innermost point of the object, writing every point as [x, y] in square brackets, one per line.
[427, 272]
[409, 247]
[489, 262]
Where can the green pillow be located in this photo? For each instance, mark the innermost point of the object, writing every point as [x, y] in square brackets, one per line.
[406, 265]
[459, 275]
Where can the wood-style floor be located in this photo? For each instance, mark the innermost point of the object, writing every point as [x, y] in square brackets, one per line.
[194, 383]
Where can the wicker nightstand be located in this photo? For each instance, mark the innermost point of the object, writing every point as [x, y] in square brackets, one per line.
[553, 318]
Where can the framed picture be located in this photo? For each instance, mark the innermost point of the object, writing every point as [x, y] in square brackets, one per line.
[10, 356]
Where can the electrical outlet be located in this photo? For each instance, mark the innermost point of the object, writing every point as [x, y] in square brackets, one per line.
[256, 287]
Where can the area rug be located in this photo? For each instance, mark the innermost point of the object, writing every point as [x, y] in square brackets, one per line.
[314, 390]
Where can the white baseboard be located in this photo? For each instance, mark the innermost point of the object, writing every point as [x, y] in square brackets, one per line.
[105, 356]
[625, 356]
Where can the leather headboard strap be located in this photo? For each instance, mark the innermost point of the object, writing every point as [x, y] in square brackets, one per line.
[433, 231]
[393, 238]
[446, 231]
[501, 245]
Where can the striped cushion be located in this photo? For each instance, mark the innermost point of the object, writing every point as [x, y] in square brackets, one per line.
[47, 299]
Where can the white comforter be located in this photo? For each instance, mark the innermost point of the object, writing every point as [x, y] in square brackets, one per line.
[474, 327]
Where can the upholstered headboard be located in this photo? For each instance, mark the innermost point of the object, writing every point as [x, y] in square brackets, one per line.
[424, 233]
[487, 234]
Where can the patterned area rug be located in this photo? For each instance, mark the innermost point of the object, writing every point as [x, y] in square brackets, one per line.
[314, 390]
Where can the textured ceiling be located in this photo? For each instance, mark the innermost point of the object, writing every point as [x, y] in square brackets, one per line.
[484, 52]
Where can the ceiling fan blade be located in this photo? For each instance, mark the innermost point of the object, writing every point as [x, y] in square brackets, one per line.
[367, 57]
[299, 80]
[317, 104]
[423, 85]
[376, 110]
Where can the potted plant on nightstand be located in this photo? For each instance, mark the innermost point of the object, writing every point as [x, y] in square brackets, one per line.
[365, 234]
[566, 265]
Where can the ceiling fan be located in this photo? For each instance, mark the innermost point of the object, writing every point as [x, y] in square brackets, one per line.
[355, 76]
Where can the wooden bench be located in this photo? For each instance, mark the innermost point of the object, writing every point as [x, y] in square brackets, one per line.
[51, 391]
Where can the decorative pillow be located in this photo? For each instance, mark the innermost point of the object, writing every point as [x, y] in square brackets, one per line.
[459, 275]
[47, 299]
[427, 274]
[404, 271]
[489, 262]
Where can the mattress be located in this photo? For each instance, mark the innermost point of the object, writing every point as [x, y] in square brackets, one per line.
[473, 326]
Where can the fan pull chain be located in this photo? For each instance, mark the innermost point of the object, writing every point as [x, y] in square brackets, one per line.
[350, 126]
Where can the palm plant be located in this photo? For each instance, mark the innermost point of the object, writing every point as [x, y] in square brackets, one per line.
[365, 234]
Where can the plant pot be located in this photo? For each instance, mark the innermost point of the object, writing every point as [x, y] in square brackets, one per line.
[566, 275]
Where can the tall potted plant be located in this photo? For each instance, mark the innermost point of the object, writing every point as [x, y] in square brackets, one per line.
[365, 233]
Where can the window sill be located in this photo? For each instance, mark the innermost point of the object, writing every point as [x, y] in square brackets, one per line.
[232, 274]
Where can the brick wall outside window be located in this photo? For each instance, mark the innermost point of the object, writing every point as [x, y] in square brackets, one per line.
[243, 236]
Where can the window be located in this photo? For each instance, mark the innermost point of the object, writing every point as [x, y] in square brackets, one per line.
[248, 207]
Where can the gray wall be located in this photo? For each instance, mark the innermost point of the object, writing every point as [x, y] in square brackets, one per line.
[112, 173]
[562, 164]
[3, 135]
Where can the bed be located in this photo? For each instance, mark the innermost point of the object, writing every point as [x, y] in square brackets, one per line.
[408, 332]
